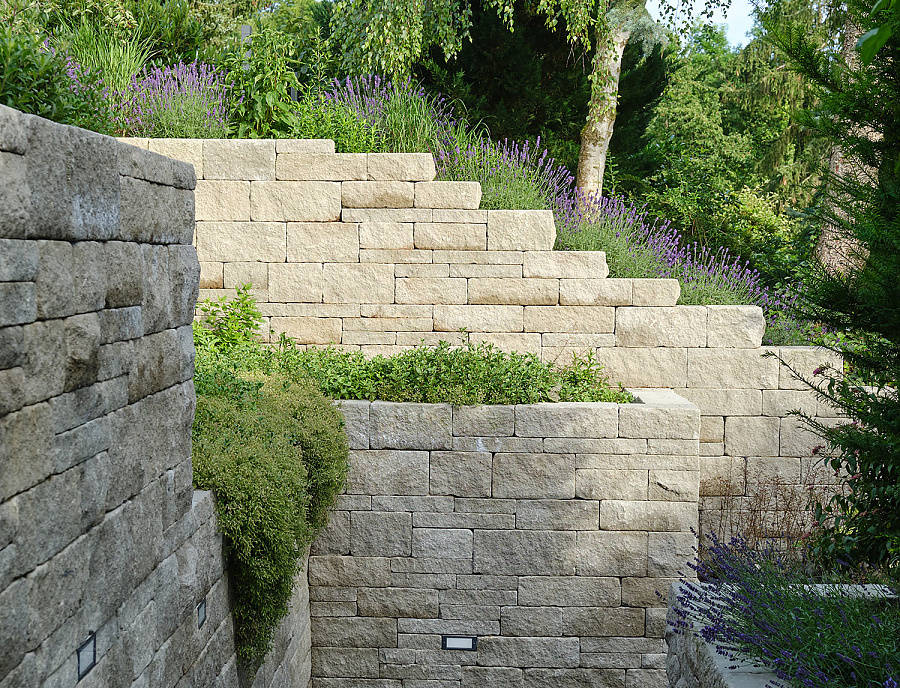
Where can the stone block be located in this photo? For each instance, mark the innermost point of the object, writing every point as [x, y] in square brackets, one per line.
[525, 552]
[54, 286]
[646, 592]
[479, 257]
[244, 159]
[25, 450]
[322, 167]
[405, 215]
[521, 230]
[12, 347]
[533, 476]
[372, 572]
[442, 565]
[353, 632]
[458, 215]
[653, 516]
[669, 553]
[436, 543]
[449, 236]
[675, 326]
[396, 256]
[427, 290]
[751, 436]
[381, 194]
[236, 275]
[595, 292]
[478, 318]
[389, 235]
[306, 146]
[567, 591]
[805, 360]
[454, 195]
[500, 444]
[81, 362]
[462, 474]
[410, 426]
[185, 150]
[483, 421]
[656, 292]
[127, 288]
[796, 439]
[674, 486]
[184, 276]
[12, 390]
[414, 603]
[571, 319]
[332, 662]
[513, 291]
[222, 201]
[158, 364]
[712, 429]
[547, 514]
[646, 678]
[93, 181]
[565, 264]
[295, 201]
[531, 621]
[465, 520]
[725, 402]
[599, 484]
[422, 270]
[15, 196]
[610, 552]
[380, 534]
[497, 677]
[12, 131]
[470, 270]
[781, 402]
[639, 645]
[470, 612]
[334, 538]
[603, 621]
[418, 505]
[156, 304]
[322, 242]
[356, 422]
[567, 419]
[414, 167]
[722, 475]
[735, 327]
[358, 283]
[656, 623]
[151, 213]
[388, 472]
[18, 260]
[645, 367]
[528, 652]
[731, 369]
[508, 342]
[296, 282]
[19, 303]
[659, 422]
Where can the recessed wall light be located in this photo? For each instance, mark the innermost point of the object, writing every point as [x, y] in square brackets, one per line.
[87, 655]
[201, 613]
[459, 642]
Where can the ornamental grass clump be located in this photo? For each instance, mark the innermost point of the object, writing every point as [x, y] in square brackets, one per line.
[762, 605]
[182, 101]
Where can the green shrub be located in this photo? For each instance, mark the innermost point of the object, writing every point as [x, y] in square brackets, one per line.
[320, 119]
[273, 449]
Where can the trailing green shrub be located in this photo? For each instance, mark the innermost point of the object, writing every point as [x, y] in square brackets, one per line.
[273, 449]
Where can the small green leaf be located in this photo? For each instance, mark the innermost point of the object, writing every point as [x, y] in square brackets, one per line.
[872, 41]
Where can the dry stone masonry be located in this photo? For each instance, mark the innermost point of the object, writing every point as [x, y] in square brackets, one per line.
[543, 530]
[101, 535]
[368, 252]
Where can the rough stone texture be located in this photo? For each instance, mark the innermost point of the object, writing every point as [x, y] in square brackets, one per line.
[100, 529]
[520, 230]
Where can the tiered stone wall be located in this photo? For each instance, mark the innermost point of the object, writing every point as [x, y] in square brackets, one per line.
[366, 252]
[544, 530]
[100, 530]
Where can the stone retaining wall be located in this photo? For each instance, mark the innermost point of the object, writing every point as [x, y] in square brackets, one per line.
[544, 530]
[101, 533]
[367, 252]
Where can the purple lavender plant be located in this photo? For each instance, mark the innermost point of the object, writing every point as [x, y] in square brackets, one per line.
[761, 605]
[181, 101]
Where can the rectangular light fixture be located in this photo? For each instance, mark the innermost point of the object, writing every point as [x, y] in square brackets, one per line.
[459, 642]
[201, 613]
[87, 655]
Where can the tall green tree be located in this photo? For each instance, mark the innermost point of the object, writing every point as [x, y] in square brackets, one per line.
[858, 110]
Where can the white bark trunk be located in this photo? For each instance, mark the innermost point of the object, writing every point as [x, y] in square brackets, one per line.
[595, 137]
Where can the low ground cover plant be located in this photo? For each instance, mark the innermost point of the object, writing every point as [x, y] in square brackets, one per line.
[809, 631]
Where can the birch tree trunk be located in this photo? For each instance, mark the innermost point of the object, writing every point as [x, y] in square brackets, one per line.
[598, 131]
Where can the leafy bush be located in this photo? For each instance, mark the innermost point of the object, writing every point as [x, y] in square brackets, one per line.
[273, 449]
[114, 58]
[40, 81]
[321, 119]
[471, 374]
[170, 29]
[757, 605]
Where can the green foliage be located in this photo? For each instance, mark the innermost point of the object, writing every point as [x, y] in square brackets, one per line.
[471, 374]
[858, 110]
[35, 80]
[116, 59]
[170, 29]
[320, 119]
[274, 451]
[261, 74]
